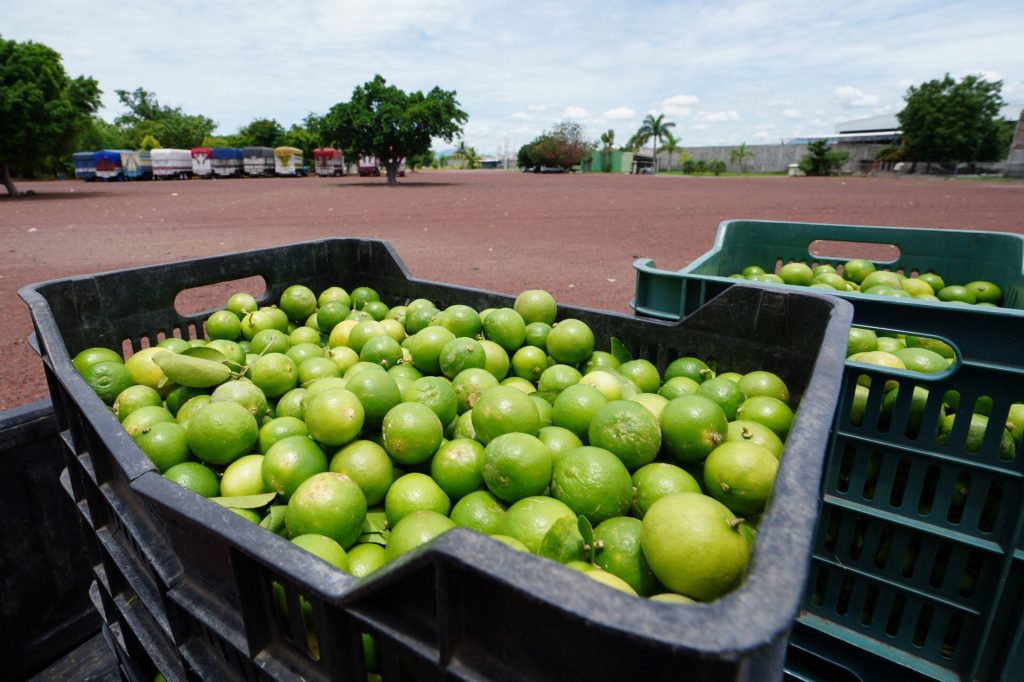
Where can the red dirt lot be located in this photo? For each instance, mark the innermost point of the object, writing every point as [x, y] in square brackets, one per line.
[574, 235]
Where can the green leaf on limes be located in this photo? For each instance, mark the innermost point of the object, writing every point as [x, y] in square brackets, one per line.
[563, 542]
[245, 501]
[274, 520]
[375, 529]
[204, 353]
[620, 352]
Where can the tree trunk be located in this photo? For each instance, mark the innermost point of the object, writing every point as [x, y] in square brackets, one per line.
[8, 182]
[655, 154]
[392, 170]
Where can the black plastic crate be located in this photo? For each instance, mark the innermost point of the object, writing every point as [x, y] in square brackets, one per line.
[45, 611]
[465, 607]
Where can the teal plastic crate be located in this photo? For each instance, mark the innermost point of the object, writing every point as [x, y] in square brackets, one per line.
[959, 256]
[918, 563]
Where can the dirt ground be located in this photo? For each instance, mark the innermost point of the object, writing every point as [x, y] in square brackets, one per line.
[574, 235]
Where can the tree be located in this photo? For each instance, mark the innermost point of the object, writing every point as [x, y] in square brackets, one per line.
[607, 142]
[383, 121]
[562, 147]
[424, 160]
[740, 154]
[262, 132]
[945, 121]
[467, 155]
[654, 127]
[670, 147]
[43, 111]
[821, 159]
[149, 143]
[99, 134]
[145, 116]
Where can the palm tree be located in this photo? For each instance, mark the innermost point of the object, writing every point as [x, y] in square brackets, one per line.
[608, 140]
[740, 154]
[670, 147]
[655, 128]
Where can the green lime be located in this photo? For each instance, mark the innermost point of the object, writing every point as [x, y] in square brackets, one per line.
[692, 426]
[771, 412]
[289, 462]
[726, 393]
[134, 397]
[90, 356]
[694, 546]
[415, 530]
[643, 373]
[243, 477]
[425, 348]
[469, 385]
[334, 416]
[368, 464]
[365, 558]
[658, 479]
[275, 374]
[575, 407]
[740, 475]
[165, 443]
[223, 324]
[504, 409]
[750, 431]
[298, 302]
[412, 433]
[435, 393]
[414, 492]
[570, 341]
[457, 467]
[460, 320]
[557, 378]
[516, 465]
[759, 382]
[593, 483]
[536, 305]
[108, 379]
[505, 327]
[677, 387]
[689, 367]
[377, 392]
[628, 430]
[324, 548]
[621, 555]
[480, 511]
[328, 504]
[530, 519]
[198, 478]
[221, 432]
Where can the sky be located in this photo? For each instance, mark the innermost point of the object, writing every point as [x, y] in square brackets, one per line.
[726, 72]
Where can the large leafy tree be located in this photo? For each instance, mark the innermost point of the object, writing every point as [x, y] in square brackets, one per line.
[43, 111]
[262, 132]
[945, 121]
[563, 146]
[384, 121]
[654, 127]
[145, 116]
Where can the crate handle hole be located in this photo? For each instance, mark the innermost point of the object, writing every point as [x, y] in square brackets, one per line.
[190, 302]
[844, 250]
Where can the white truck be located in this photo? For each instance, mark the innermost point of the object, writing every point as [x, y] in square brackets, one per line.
[171, 164]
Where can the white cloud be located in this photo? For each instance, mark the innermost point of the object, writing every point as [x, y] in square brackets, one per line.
[791, 113]
[575, 113]
[521, 116]
[850, 96]
[679, 105]
[620, 114]
[719, 116]
[699, 126]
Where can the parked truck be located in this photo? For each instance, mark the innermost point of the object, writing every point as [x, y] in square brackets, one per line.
[259, 161]
[227, 162]
[172, 164]
[288, 161]
[329, 162]
[202, 162]
[85, 165]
